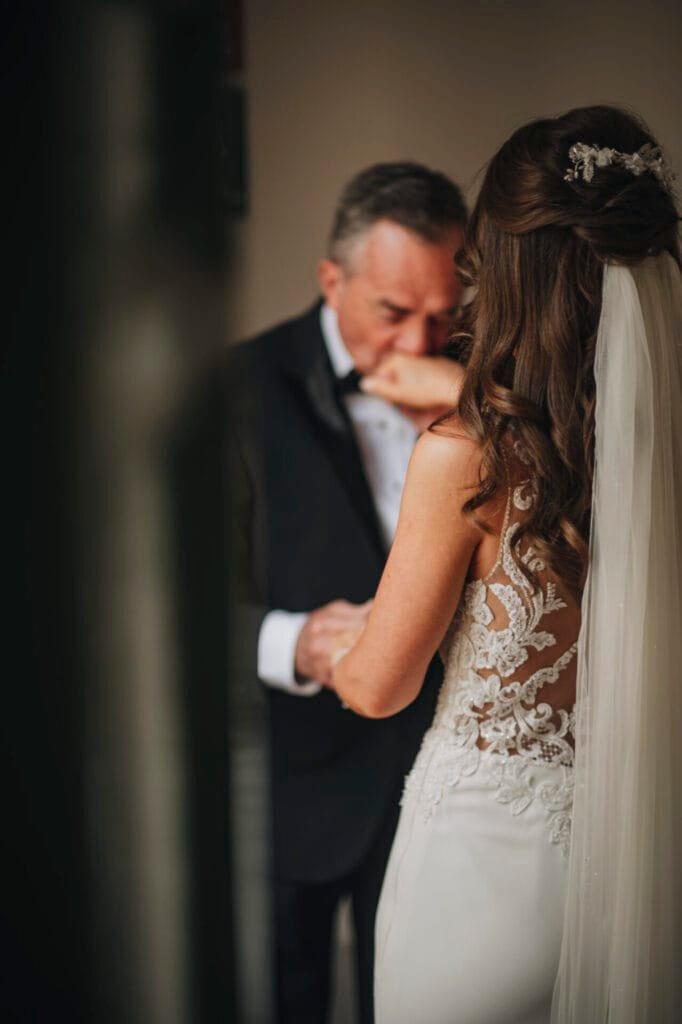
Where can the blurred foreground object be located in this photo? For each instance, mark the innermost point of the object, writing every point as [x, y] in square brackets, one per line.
[117, 731]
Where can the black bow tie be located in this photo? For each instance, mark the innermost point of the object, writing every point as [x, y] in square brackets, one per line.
[350, 384]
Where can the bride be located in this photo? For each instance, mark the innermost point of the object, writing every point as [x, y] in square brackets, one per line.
[539, 549]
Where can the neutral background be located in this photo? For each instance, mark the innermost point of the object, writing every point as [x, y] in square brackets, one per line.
[332, 87]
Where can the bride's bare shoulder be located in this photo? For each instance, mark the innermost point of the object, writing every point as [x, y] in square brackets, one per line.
[447, 457]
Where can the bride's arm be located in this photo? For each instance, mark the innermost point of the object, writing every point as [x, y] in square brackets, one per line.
[418, 382]
[421, 584]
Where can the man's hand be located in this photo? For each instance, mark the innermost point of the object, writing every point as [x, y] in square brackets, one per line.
[423, 387]
[326, 630]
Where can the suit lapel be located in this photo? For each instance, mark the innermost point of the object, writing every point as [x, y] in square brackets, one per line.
[307, 365]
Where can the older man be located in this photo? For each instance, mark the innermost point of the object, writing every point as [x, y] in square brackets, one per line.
[320, 467]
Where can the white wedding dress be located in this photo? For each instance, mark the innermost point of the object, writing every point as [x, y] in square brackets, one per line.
[470, 919]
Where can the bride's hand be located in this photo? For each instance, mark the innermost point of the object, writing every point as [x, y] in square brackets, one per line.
[416, 382]
[343, 642]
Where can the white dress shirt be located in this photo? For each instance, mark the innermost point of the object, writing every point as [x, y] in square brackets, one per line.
[385, 438]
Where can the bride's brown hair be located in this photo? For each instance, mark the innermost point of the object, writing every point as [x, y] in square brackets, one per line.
[535, 250]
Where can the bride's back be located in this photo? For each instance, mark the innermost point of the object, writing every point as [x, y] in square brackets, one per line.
[518, 636]
[506, 707]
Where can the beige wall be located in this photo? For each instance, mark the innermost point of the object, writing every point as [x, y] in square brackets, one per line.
[333, 87]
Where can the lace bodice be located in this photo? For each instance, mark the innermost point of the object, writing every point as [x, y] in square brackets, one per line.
[506, 704]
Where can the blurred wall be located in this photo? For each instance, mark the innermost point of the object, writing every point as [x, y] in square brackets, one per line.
[332, 87]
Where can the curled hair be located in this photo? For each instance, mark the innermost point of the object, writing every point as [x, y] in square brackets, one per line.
[535, 250]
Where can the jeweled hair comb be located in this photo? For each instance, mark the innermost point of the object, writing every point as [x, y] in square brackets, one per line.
[586, 159]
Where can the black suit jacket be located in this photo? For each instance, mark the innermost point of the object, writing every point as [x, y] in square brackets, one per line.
[306, 533]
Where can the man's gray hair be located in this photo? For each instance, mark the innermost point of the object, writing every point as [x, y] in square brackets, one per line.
[409, 194]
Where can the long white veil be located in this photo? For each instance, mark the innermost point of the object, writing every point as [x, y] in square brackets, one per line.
[621, 958]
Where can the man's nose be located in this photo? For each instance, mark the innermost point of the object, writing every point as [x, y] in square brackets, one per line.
[415, 340]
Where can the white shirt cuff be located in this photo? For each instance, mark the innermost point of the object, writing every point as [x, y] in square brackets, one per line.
[277, 641]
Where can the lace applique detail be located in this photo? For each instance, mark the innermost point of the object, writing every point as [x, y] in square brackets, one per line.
[488, 719]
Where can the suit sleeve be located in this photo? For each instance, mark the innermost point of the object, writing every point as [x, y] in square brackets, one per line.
[263, 639]
[248, 608]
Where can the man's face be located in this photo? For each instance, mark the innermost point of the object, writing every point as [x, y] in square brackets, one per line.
[398, 293]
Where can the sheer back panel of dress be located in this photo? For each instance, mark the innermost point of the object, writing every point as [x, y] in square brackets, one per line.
[523, 642]
[507, 702]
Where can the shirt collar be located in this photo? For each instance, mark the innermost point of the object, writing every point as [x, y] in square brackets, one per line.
[339, 356]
